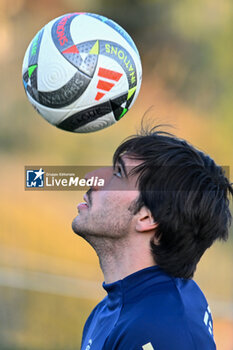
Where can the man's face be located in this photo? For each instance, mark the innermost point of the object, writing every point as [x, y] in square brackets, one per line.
[107, 211]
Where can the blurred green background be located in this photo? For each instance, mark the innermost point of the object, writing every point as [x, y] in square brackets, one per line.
[49, 278]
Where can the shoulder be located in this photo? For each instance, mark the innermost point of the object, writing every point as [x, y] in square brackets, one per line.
[165, 318]
[143, 330]
[174, 300]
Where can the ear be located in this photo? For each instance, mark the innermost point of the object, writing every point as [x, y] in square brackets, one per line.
[145, 221]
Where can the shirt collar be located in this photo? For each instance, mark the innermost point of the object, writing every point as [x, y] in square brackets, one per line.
[134, 284]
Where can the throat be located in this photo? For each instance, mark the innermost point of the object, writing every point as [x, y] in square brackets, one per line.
[113, 259]
[118, 259]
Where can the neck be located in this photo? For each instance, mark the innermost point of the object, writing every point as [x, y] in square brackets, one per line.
[120, 258]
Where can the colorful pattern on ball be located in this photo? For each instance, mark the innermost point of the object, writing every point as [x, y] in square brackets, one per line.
[98, 87]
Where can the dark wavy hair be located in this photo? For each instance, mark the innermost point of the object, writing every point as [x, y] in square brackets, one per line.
[187, 194]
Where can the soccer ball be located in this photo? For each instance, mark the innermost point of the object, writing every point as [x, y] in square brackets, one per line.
[82, 72]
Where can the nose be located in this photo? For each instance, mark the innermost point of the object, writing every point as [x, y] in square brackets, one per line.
[98, 174]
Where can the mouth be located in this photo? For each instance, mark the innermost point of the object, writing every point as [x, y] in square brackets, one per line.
[83, 205]
[85, 197]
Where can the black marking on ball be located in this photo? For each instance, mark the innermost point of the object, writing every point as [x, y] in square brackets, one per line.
[64, 96]
[129, 101]
[33, 79]
[116, 105]
[25, 76]
[86, 116]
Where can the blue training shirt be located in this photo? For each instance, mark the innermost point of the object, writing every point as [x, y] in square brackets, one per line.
[150, 310]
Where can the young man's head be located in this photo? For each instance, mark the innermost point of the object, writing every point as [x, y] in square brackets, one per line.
[182, 189]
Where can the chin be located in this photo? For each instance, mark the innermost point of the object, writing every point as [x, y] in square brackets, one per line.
[75, 225]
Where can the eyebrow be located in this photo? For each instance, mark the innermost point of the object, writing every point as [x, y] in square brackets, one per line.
[122, 164]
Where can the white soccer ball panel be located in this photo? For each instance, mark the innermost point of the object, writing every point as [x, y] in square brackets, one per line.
[85, 28]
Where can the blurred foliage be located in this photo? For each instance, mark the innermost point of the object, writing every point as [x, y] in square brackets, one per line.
[186, 43]
[34, 320]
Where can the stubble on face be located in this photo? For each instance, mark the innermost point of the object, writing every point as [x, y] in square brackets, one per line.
[107, 231]
[110, 218]
[107, 218]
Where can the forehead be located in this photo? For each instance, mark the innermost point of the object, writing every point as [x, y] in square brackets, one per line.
[129, 161]
[130, 165]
